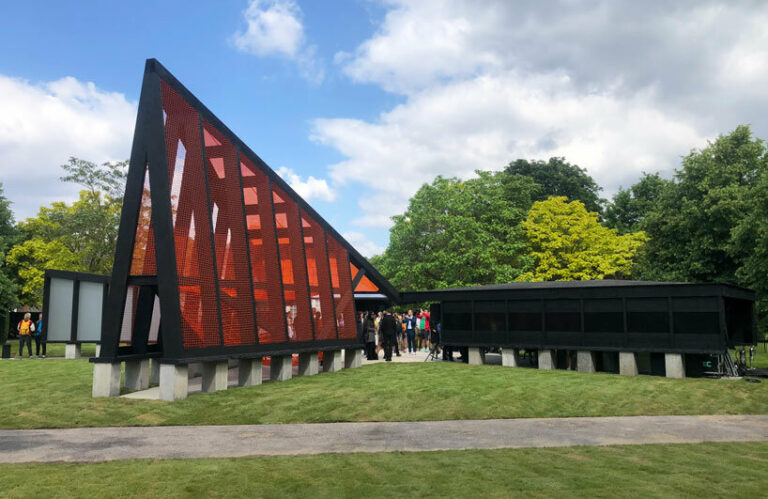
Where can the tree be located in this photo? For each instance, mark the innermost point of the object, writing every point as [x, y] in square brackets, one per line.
[568, 243]
[8, 236]
[77, 237]
[630, 206]
[458, 233]
[693, 223]
[559, 178]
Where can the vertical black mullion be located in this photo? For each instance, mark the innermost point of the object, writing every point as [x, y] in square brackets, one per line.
[472, 310]
[46, 301]
[543, 305]
[306, 272]
[626, 327]
[212, 232]
[330, 282]
[671, 322]
[279, 261]
[162, 224]
[581, 322]
[508, 334]
[75, 309]
[247, 245]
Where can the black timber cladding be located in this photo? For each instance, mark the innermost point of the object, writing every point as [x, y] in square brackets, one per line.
[596, 315]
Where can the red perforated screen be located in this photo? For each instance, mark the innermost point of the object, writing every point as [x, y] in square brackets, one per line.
[342, 289]
[365, 285]
[143, 258]
[191, 222]
[319, 274]
[293, 266]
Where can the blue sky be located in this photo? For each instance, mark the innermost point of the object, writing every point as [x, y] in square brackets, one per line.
[357, 103]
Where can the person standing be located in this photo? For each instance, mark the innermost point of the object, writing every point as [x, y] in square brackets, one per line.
[41, 338]
[370, 338]
[410, 331]
[388, 328]
[25, 328]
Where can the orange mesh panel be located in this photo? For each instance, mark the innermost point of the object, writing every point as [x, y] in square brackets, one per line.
[342, 289]
[265, 264]
[143, 260]
[365, 285]
[229, 240]
[319, 274]
[191, 223]
[297, 307]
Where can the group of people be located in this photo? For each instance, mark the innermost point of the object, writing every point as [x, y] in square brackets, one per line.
[389, 331]
[29, 329]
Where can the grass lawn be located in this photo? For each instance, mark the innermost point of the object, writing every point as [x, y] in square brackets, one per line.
[57, 393]
[690, 470]
[55, 349]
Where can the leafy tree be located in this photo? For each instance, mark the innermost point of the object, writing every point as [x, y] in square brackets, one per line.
[693, 223]
[630, 206]
[459, 233]
[568, 243]
[8, 236]
[77, 237]
[559, 178]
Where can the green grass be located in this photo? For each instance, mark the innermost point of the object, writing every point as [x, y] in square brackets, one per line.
[690, 470]
[57, 393]
[55, 349]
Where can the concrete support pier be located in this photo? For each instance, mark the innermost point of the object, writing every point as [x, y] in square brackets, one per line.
[332, 361]
[97, 353]
[154, 372]
[174, 382]
[628, 364]
[72, 351]
[585, 361]
[249, 372]
[353, 357]
[510, 357]
[137, 374]
[281, 367]
[106, 380]
[215, 376]
[674, 365]
[476, 356]
[309, 364]
[546, 359]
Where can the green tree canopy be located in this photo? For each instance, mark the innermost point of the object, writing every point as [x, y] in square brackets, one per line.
[458, 233]
[77, 237]
[568, 243]
[556, 177]
[630, 206]
[8, 236]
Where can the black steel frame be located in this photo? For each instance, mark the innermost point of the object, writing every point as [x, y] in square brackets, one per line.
[76, 278]
[148, 154]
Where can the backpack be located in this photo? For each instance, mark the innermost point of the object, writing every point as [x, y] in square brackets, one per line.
[24, 327]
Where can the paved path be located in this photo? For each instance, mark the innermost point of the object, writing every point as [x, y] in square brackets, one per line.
[106, 444]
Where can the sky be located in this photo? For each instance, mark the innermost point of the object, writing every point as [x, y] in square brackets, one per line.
[357, 103]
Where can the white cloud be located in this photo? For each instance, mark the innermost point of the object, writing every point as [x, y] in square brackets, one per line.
[274, 28]
[43, 124]
[615, 87]
[312, 188]
[365, 246]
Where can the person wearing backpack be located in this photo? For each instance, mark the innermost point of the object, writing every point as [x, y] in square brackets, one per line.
[25, 328]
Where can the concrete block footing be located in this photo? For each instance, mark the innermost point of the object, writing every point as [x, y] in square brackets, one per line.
[215, 376]
[72, 351]
[137, 374]
[106, 380]
[353, 357]
[674, 365]
[332, 361]
[309, 364]
[547, 359]
[510, 357]
[249, 372]
[154, 372]
[585, 361]
[97, 353]
[476, 356]
[281, 367]
[628, 364]
[174, 382]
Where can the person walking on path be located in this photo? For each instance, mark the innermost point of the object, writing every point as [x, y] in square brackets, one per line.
[41, 338]
[370, 338]
[410, 331]
[25, 328]
[388, 327]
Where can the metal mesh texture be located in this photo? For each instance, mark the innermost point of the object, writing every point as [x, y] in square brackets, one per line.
[143, 258]
[319, 274]
[191, 223]
[343, 296]
[365, 285]
[293, 266]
